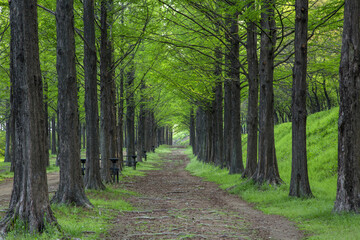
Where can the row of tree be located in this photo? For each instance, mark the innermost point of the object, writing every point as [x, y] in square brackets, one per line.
[211, 134]
[159, 61]
[29, 135]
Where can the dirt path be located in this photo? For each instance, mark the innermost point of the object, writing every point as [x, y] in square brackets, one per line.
[7, 185]
[175, 205]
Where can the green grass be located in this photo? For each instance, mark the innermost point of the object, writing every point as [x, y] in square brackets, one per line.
[312, 215]
[81, 223]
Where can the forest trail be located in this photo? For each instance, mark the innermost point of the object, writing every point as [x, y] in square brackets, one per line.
[172, 204]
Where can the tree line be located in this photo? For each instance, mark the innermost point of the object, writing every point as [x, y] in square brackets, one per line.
[130, 73]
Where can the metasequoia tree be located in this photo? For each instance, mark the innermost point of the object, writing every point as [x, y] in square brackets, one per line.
[92, 174]
[232, 95]
[253, 82]
[267, 170]
[71, 186]
[29, 201]
[348, 184]
[141, 123]
[217, 106]
[299, 184]
[130, 114]
[107, 94]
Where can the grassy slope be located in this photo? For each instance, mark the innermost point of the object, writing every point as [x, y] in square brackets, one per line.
[312, 215]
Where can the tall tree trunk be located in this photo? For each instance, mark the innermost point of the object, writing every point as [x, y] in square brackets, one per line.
[141, 124]
[92, 174]
[121, 117]
[29, 203]
[46, 117]
[267, 170]
[71, 186]
[227, 121]
[299, 184]
[233, 73]
[218, 112]
[253, 81]
[108, 98]
[130, 115]
[348, 183]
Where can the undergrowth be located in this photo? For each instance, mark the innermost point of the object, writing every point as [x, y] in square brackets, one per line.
[314, 215]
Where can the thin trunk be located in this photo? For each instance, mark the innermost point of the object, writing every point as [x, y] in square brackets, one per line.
[192, 130]
[9, 129]
[218, 112]
[121, 118]
[328, 100]
[130, 115]
[141, 125]
[46, 117]
[53, 135]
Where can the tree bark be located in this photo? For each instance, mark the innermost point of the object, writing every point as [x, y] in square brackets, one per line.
[218, 111]
[253, 81]
[108, 99]
[53, 135]
[130, 115]
[233, 86]
[192, 130]
[9, 129]
[299, 184]
[267, 170]
[141, 124]
[348, 183]
[46, 117]
[92, 172]
[29, 203]
[71, 186]
[121, 117]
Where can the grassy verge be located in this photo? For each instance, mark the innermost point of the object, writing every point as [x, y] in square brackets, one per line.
[5, 168]
[312, 215]
[80, 223]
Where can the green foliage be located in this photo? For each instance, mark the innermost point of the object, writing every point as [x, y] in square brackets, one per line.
[312, 215]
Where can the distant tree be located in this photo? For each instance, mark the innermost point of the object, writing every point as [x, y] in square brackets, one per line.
[92, 174]
[299, 184]
[130, 114]
[29, 201]
[141, 123]
[53, 135]
[348, 184]
[192, 129]
[71, 186]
